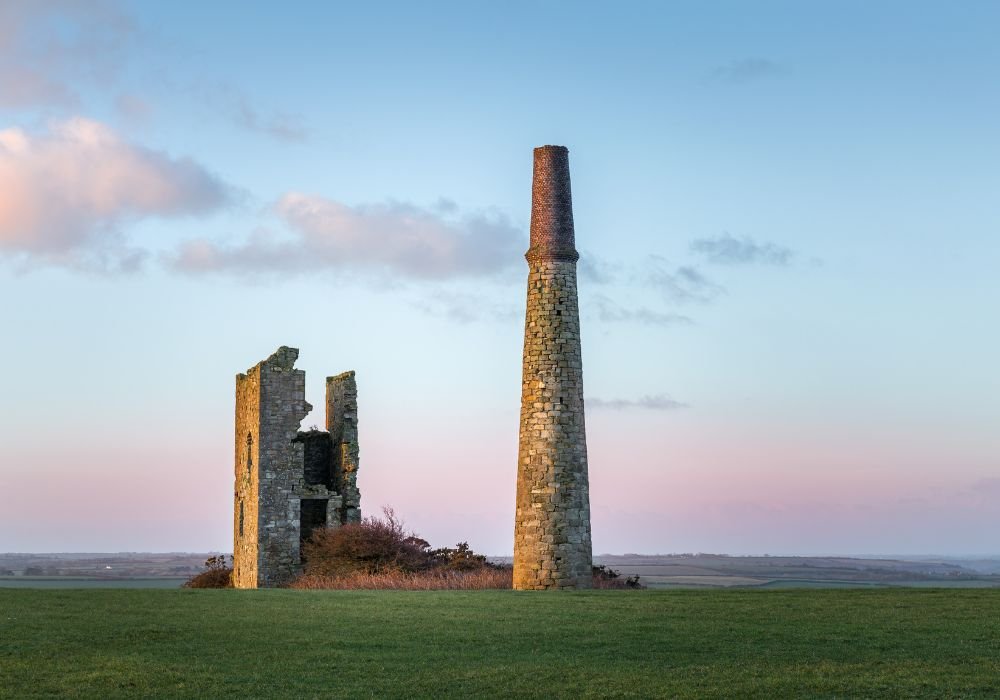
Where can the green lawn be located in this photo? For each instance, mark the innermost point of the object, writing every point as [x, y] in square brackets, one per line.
[797, 643]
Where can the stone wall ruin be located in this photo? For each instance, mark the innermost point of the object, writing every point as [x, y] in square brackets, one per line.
[289, 482]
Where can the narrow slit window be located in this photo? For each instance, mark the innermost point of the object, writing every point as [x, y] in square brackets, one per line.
[249, 453]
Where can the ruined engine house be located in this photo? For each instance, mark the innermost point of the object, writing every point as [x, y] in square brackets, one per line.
[289, 482]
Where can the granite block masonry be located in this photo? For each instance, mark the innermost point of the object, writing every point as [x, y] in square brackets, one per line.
[289, 482]
[552, 547]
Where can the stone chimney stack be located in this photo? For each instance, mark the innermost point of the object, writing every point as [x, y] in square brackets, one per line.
[552, 521]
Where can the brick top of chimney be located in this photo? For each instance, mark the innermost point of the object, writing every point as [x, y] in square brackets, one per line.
[552, 236]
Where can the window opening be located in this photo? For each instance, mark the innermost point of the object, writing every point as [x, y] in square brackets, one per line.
[312, 517]
[249, 452]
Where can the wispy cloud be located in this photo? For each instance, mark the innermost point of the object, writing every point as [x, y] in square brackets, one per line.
[682, 283]
[46, 47]
[656, 402]
[445, 206]
[402, 239]
[729, 250]
[235, 105]
[64, 193]
[609, 311]
[987, 485]
[133, 108]
[597, 271]
[746, 70]
[464, 308]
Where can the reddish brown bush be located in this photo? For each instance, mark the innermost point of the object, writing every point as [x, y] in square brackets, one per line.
[379, 553]
[371, 546]
[217, 574]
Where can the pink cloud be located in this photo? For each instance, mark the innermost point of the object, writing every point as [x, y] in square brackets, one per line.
[401, 238]
[64, 193]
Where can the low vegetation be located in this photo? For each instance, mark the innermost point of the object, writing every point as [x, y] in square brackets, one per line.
[435, 579]
[609, 579]
[218, 573]
[869, 643]
[380, 554]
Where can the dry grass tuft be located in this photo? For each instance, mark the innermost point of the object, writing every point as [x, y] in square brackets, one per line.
[434, 580]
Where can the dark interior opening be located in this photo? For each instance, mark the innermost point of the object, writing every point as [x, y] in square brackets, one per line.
[317, 457]
[313, 517]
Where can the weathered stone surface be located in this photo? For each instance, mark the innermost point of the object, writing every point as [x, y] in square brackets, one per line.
[278, 467]
[342, 422]
[552, 546]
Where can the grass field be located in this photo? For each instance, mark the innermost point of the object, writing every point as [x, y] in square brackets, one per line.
[801, 643]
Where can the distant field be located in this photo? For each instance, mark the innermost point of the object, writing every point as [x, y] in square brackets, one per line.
[806, 583]
[700, 581]
[890, 642]
[666, 571]
[71, 582]
[713, 570]
[733, 581]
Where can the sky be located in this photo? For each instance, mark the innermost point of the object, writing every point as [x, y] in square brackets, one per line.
[787, 215]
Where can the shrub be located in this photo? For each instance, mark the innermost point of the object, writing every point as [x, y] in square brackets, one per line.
[461, 558]
[217, 574]
[380, 553]
[371, 546]
[607, 578]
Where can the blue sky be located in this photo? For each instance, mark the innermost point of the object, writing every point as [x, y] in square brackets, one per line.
[787, 214]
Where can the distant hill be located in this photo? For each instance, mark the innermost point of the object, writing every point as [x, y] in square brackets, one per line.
[109, 566]
[655, 570]
[663, 571]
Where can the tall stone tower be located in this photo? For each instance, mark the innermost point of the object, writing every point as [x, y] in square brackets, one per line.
[552, 521]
